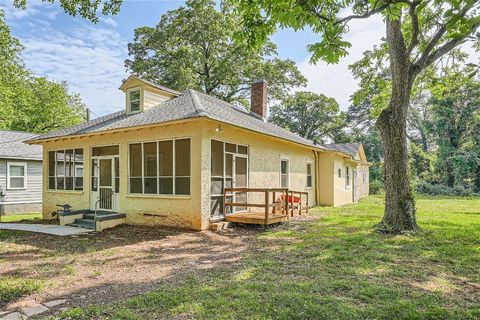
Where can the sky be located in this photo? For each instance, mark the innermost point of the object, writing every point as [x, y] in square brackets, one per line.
[90, 57]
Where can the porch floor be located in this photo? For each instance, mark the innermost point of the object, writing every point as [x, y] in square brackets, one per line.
[255, 218]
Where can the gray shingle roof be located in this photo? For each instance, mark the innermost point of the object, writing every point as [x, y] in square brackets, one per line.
[12, 146]
[348, 148]
[189, 104]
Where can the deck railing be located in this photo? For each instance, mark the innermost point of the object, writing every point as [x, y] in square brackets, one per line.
[287, 203]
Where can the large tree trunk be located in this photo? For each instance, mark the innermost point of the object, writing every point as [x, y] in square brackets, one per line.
[399, 213]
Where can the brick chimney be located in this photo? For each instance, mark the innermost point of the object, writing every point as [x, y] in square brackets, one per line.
[258, 98]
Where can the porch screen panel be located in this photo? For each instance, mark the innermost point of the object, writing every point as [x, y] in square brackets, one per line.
[65, 169]
[69, 166]
[78, 169]
[165, 161]
[150, 167]
[182, 166]
[136, 168]
[51, 170]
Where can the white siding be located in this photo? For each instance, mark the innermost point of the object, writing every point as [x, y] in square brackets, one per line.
[33, 193]
[151, 99]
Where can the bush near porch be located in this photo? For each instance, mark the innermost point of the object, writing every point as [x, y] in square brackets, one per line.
[335, 267]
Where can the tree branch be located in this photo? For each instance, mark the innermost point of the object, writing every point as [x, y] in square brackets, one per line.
[415, 27]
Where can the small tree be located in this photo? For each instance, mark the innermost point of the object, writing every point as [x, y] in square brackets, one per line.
[312, 116]
[418, 33]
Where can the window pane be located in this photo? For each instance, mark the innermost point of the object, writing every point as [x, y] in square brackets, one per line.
[60, 163]
[228, 165]
[134, 95]
[136, 160]
[216, 186]
[166, 186]
[51, 183]
[106, 173]
[69, 163]
[79, 183]
[151, 185]
[135, 105]
[216, 206]
[69, 183]
[182, 157]
[231, 147]
[284, 181]
[165, 160]
[94, 183]
[94, 174]
[60, 183]
[240, 172]
[217, 158]
[17, 171]
[242, 150]
[283, 167]
[150, 159]
[309, 181]
[117, 175]
[182, 185]
[135, 185]
[105, 151]
[17, 182]
[51, 163]
[309, 168]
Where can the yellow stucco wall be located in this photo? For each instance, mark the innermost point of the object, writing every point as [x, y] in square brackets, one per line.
[265, 154]
[182, 211]
[364, 185]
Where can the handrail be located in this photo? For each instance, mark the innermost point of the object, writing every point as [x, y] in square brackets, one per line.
[289, 197]
[101, 199]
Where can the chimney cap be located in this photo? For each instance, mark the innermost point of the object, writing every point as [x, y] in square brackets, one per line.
[259, 81]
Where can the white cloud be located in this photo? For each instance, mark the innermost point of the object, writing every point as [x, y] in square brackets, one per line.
[108, 21]
[336, 80]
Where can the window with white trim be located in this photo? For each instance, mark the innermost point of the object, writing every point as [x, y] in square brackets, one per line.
[284, 173]
[133, 100]
[347, 177]
[65, 169]
[16, 175]
[309, 175]
[160, 167]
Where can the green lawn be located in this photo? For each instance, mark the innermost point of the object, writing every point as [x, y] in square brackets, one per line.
[335, 267]
[21, 217]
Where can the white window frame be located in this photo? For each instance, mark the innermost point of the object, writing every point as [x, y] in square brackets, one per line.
[288, 171]
[18, 164]
[174, 176]
[347, 177]
[311, 175]
[129, 106]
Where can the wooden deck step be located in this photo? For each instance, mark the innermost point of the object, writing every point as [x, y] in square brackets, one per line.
[255, 218]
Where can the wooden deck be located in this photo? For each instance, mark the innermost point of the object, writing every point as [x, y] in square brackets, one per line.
[278, 205]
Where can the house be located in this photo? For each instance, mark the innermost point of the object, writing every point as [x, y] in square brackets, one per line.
[20, 174]
[168, 156]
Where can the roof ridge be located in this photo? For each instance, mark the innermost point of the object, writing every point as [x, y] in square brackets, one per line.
[197, 105]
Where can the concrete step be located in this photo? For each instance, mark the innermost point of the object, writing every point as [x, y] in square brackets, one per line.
[219, 225]
[90, 223]
[81, 225]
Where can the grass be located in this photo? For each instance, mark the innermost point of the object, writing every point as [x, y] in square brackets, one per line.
[21, 217]
[334, 267]
[11, 288]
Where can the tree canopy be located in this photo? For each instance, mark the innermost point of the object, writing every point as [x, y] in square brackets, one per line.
[312, 116]
[28, 102]
[193, 47]
[88, 9]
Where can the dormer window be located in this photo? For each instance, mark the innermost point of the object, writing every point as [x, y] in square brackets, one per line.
[133, 100]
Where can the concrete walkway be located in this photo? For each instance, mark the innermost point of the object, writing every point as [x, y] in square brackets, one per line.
[44, 228]
[33, 310]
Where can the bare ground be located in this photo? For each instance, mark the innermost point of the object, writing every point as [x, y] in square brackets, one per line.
[115, 264]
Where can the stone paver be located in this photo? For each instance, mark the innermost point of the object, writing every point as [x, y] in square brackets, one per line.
[34, 310]
[55, 303]
[14, 316]
[44, 228]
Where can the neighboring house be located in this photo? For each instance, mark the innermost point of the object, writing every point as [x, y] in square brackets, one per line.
[167, 157]
[20, 174]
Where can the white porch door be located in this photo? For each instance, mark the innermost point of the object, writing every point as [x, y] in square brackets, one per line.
[104, 194]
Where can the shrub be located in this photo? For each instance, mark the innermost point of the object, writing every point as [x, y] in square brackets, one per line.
[438, 189]
[376, 187]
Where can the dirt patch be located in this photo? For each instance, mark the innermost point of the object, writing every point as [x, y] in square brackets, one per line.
[114, 264]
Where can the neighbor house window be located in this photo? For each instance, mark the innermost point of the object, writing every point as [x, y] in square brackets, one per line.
[133, 100]
[364, 177]
[309, 175]
[160, 167]
[339, 173]
[347, 177]
[65, 169]
[284, 173]
[16, 175]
